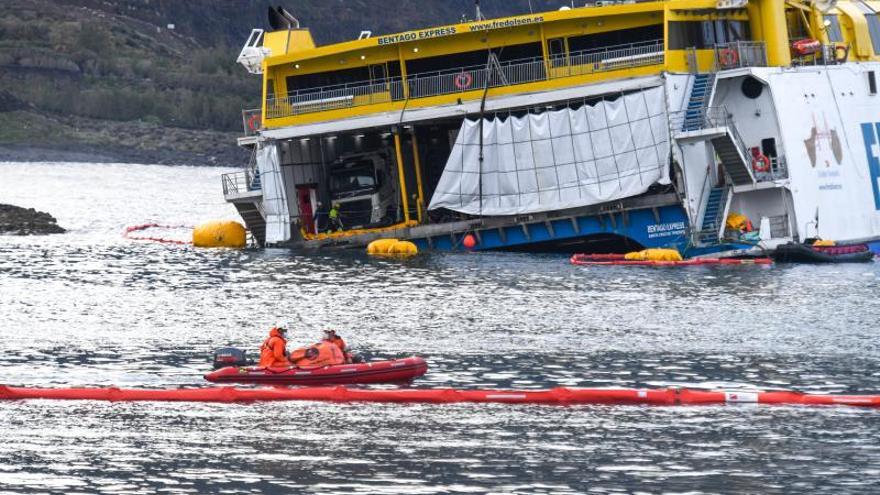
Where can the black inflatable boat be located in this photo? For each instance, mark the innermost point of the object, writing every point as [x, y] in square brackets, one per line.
[804, 253]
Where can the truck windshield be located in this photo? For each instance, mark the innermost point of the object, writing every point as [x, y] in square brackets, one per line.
[352, 177]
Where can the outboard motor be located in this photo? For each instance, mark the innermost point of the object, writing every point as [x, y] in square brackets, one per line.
[229, 356]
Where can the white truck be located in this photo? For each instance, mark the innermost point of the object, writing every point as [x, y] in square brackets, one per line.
[364, 187]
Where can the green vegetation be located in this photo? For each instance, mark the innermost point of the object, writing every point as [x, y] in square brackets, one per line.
[66, 65]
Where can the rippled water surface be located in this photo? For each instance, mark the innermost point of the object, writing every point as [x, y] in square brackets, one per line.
[91, 308]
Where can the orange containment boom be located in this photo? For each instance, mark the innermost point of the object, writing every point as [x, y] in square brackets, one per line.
[618, 259]
[129, 231]
[559, 396]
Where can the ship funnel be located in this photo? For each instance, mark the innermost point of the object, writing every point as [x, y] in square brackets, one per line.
[294, 22]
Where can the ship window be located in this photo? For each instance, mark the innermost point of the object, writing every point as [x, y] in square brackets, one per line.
[874, 29]
[449, 62]
[706, 34]
[377, 72]
[556, 49]
[835, 34]
[612, 38]
[310, 83]
[518, 52]
[872, 82]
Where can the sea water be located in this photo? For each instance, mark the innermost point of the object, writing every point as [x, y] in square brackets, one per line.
[91, 308]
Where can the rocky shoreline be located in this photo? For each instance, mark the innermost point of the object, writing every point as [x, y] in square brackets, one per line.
[16, 220]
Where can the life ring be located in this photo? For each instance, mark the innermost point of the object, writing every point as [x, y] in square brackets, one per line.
[728, 57]
[463, 80]
[253, 122]
[760, 163]
[837, 53]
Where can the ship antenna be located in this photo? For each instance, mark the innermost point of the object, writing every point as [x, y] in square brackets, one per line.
[530, 7]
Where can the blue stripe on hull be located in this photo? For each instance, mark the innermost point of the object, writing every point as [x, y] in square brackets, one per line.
[640, 226]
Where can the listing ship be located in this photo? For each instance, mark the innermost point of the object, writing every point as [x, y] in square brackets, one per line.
[598, 129]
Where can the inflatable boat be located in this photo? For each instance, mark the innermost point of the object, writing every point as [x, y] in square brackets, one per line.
[393, 371]
[619, 259]
[804, 253]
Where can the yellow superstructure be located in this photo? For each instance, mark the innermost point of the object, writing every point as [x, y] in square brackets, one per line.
[445, 65]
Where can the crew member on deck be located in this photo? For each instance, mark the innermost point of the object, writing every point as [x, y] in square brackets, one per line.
[335, 224]
[273, 352]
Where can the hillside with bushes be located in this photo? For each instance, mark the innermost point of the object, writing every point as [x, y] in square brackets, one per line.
[156, 80]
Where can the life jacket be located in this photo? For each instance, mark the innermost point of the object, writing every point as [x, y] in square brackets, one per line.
[338, 342]
[272, 354]
[317, 356]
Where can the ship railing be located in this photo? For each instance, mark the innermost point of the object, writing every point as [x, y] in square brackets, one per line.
[252, 120]
[778, 170]
[616, 57]
[707, 118]
[335, 97]
[833, 54]
[780, 227]
[740, 54]
[465, 79]
[238, 183]
[234, 183]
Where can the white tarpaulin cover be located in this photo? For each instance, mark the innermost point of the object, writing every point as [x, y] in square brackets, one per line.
[274, 199]
[559, 159]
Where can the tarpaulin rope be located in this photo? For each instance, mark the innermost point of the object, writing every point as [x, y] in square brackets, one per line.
[138, 228]
[557, 396]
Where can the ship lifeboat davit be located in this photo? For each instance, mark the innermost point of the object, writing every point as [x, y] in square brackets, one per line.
[392, 371]
[214, 234]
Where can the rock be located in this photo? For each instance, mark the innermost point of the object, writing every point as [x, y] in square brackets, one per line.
[16, 220]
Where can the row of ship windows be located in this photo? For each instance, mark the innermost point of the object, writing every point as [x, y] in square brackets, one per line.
[682, 35]
[557, 48]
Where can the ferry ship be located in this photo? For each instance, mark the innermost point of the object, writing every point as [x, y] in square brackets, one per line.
[599, 129]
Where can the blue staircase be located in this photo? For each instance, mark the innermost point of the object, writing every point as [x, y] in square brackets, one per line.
[255, 184]
[712, 221]
[699, 100]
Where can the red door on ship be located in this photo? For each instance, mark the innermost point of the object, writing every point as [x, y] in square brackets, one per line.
[305, 196]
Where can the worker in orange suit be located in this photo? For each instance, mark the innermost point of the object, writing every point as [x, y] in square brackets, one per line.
[332, 337]
[273, 352]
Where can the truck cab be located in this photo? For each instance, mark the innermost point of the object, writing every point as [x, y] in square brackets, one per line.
[362, 184]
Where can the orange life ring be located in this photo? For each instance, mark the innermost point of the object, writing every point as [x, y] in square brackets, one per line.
[253, 122]
[728, 57]
[760, 163]
[463, 80]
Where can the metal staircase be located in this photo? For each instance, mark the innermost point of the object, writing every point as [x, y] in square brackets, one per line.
[701, 93]
[714, 216]
[733, 154]
[254, 219]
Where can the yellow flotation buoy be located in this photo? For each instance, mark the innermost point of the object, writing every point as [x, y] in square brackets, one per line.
[403, 248]
[380, 246]
[220, 234]
[392, 247]
[654, 255]
[824, 243]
